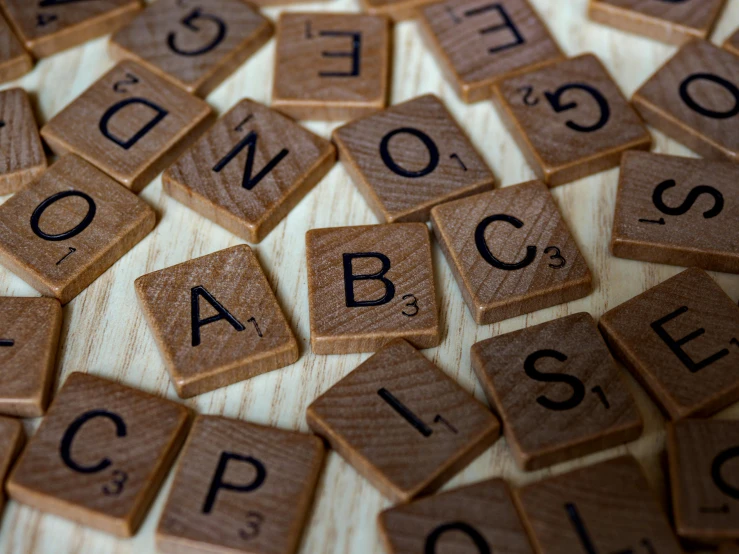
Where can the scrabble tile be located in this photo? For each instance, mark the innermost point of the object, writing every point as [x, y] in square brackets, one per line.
[100, 454]
[370, 284]
[216, 321]
[396, 9]
[130, 123]
[402, 423]
[557, 390]
[195, 46]
[22, 157]
[240, 488]
[732, 45]
[704, 478]
[510, 252]
[409, 158]
[570, 119]
[678, 211]
[50, 26]
[729, 548]
[694, 99]
[607, 507]
[482, 515]
[11, 441]
[479, 43]
[29, 336]
[14, 60]
[66, 229]
[250, 170]
[679, 339]
[331, 66]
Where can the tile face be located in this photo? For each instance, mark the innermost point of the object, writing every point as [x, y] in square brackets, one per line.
[679, 339]
[703, 476]
[100, 454]
[130, 123]
[732, 45]
[694, 99]
[331, 66]
[370, 284]
[250, 170]
[29, 336]
[678, 211]
[396, 9]
[478, 42]
[195, 46]
[570, 119]
[511, 252]
[608, 507]
[22, 157]
[674, 22]
[557, 390]
[11, 442]
[240, 487]
[482, 515]
[14, 60]
[216, 321]
[402, 423]
[65, 230]
[409, 158]
[50, 26]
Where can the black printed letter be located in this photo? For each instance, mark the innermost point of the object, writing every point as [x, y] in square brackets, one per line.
[693, 195]
[558, 107]
[349, 279]
[507, 24]
[471, 532]
[250, 140]
[578, 389]
[223, 313]
[65, 448]
[188, 22]
[427, 142]
[693, 105]
[161, 113]
[74, 231]
[482, 246]
[718, 463]
[354, 54]
[218, 483]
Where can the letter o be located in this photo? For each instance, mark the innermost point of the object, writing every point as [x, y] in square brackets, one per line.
[38, 212]
[693, 105]
[427, 142]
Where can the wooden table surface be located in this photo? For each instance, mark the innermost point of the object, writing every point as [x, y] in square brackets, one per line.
[105, 333]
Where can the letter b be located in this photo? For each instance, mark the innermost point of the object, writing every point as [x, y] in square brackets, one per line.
[350, 278]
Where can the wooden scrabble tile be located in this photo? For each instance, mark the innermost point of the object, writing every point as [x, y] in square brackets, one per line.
[240, 487]
[11, 441]
[216, 321]
[410, 157]
[250, 170]
[671, 21]
[100, 454]
[402, 423]
[370, 284]
[50, 26]
[29, 335]
[607, 507]
[679, 339]
[14, 60]
[679, 211]
[331, 66]
[511, 252]
[479, 43]
[195, 46]
[732, 45]
[570, 119]
[694, 99]
[62, 232]
[22, 156]
[130, 123]
[396, 9]
[704, 478]
[482, 514]
[557, 390]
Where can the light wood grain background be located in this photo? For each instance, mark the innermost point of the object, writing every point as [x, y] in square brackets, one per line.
[104, 330]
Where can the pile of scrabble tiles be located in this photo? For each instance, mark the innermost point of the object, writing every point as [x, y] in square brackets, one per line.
[102, 450]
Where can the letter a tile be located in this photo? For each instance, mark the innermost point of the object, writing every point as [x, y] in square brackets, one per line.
[680, 339]
[240, 487]
[22, 157]
[130, 123]
[11, 441]
[100, 454]
[216, 321]
[402, 423]
[370, 284]
[14, 60]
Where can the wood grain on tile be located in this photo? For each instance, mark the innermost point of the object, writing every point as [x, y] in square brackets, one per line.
[570, 119]
[22, 157]
[14, 60]
[11, 442]
[694, 99]
[250, 170]
[678, 211]
[510, 252]
[66, 229]
[402, 423]
[29, 336]
[195, 45]
[370, 284]
[679, 339]
[240, 487]
[409, 158]
[479, 43]
[130, 123]
[100, 454]
[732, 43]
[396, 9]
